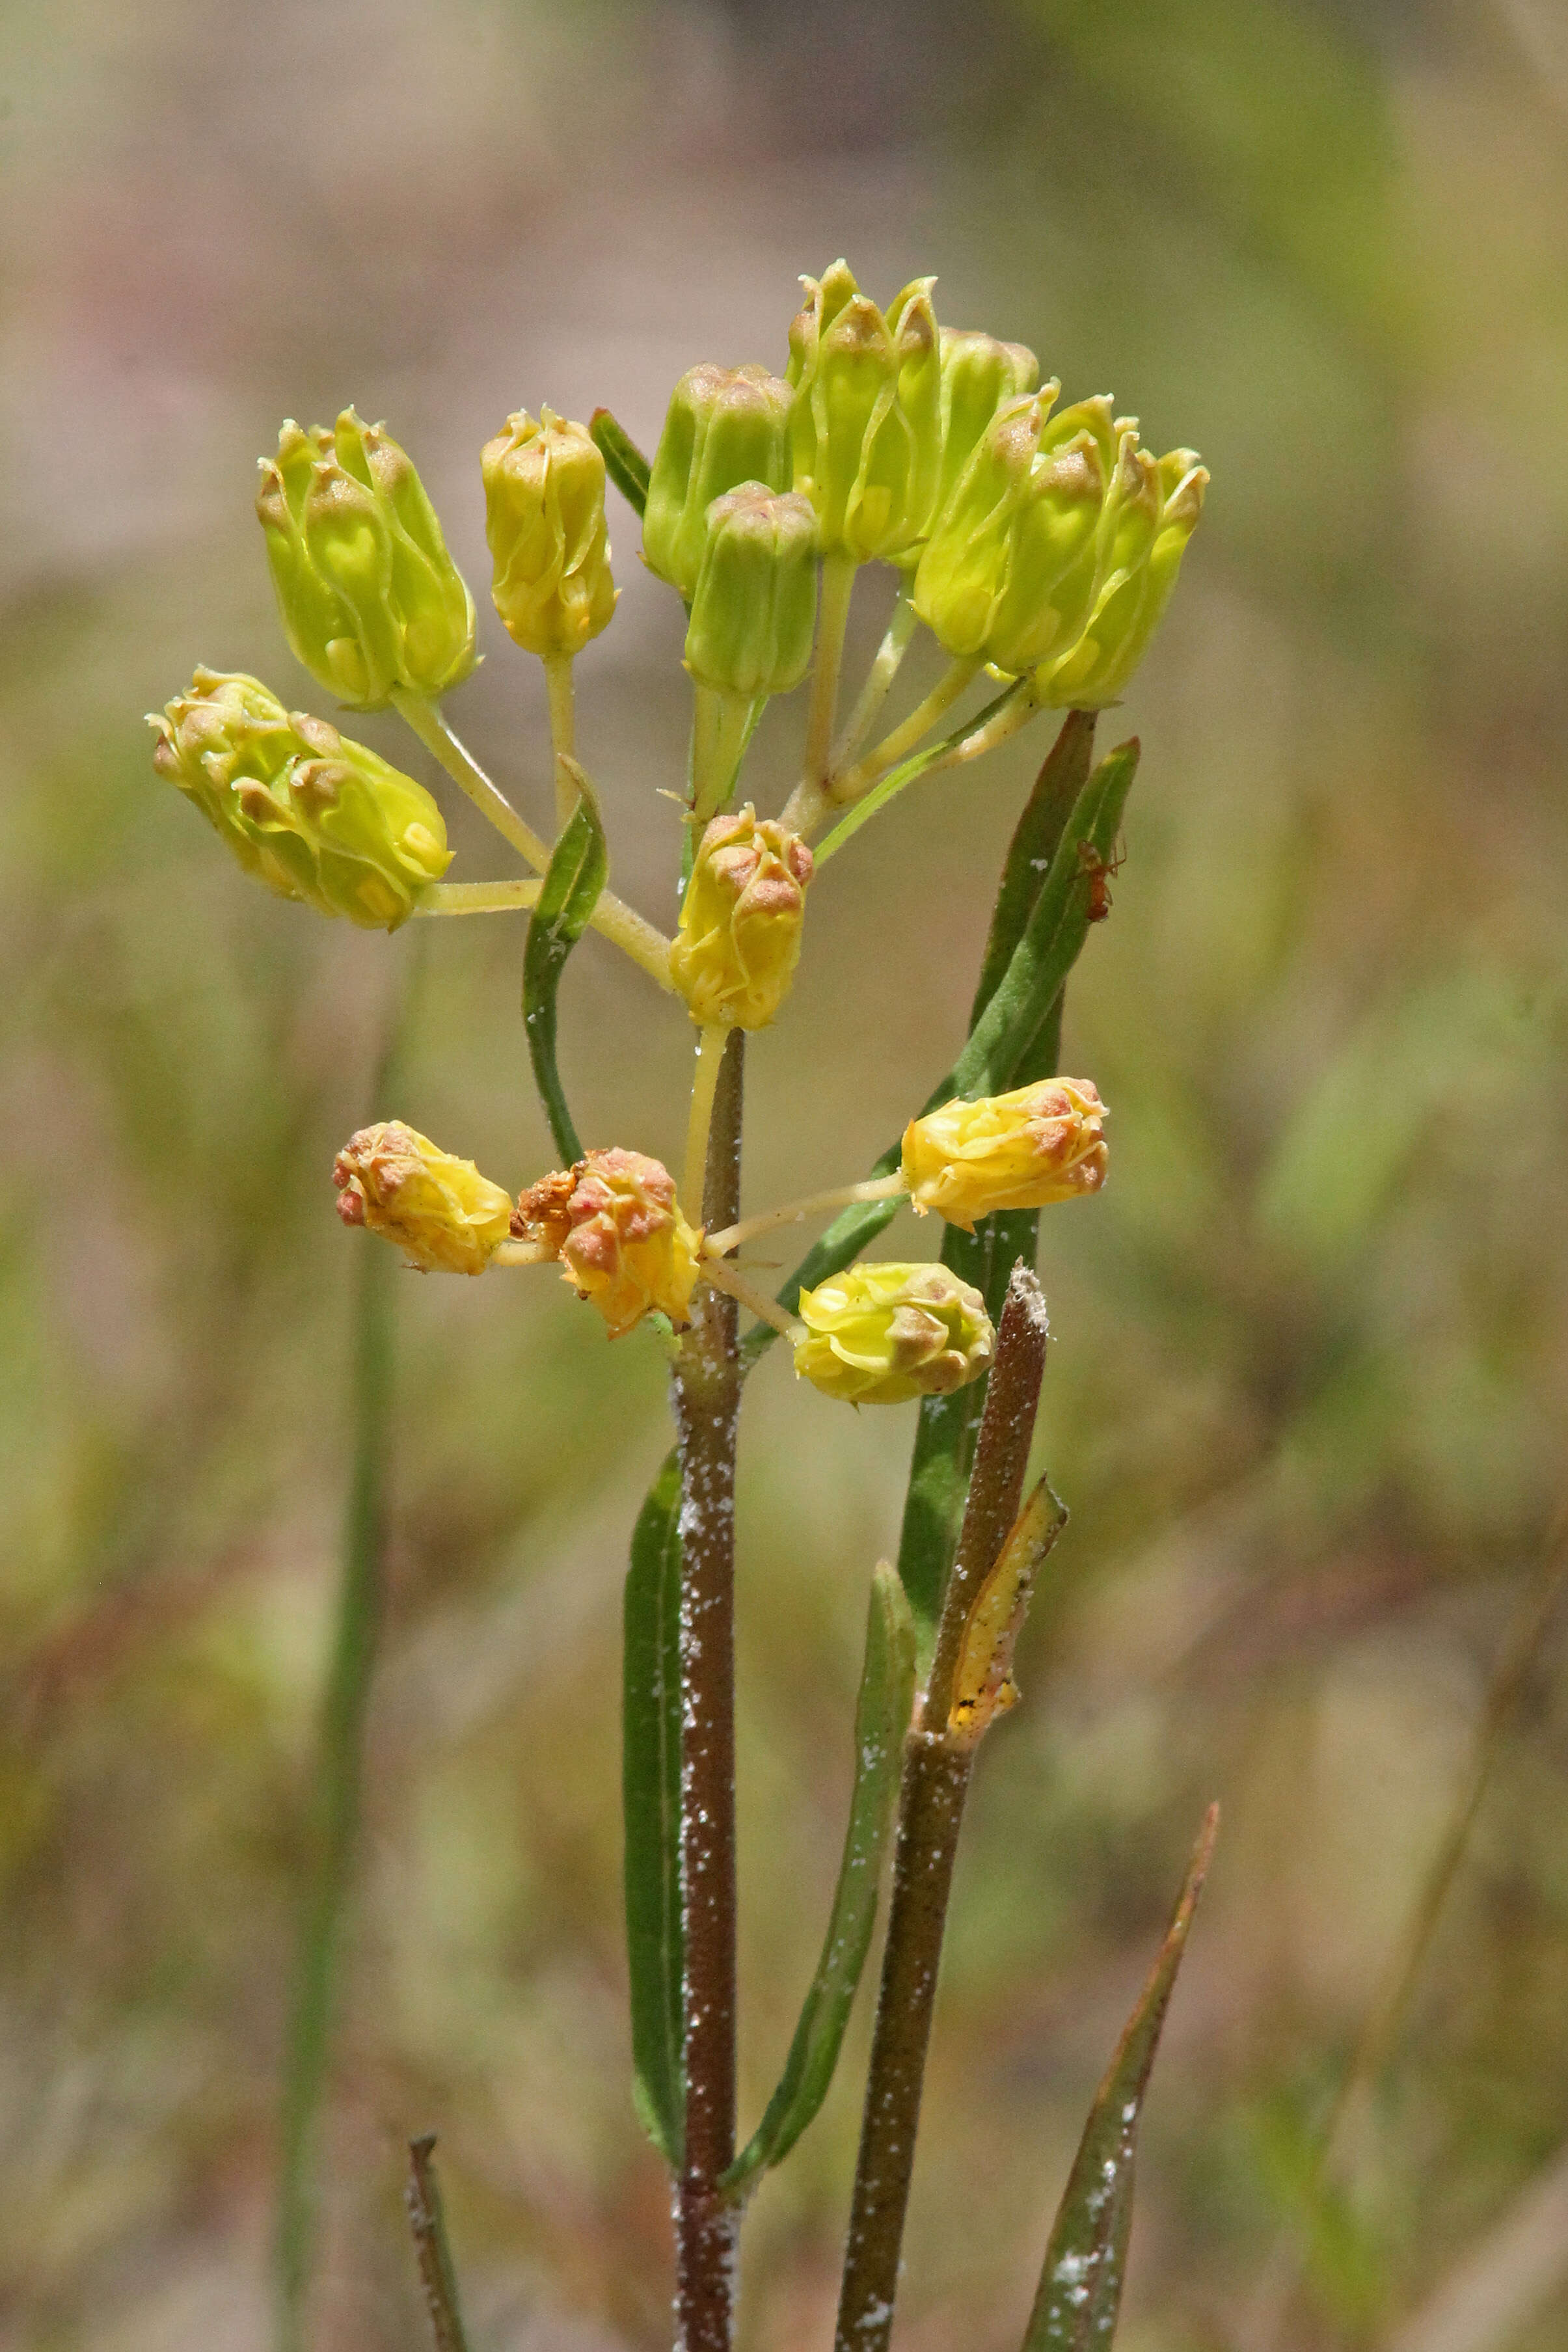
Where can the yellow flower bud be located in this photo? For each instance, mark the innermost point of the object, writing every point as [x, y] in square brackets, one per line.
[979, 375]
[883, 1334]
[616, 1225]
[313, 815]
[865, 426]
[544, 520]
[370, 598]
[725, 427]
[445, 1217]
[1151, 513]
[1021, 1150]
[734, 955]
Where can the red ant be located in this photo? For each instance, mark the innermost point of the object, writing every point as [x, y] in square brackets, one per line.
[1099, 873]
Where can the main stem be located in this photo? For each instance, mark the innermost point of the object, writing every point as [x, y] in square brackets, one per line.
[935, 1785]
[707, 1401]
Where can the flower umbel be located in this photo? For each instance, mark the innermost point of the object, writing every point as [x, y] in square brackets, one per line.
[883, 1334]
[443, 1214]
[725, 426]
[544, 520]
[313, 815]
[614, 1222]
[734, 955]
[370, 598]
[865, 426]
[1039, 1144]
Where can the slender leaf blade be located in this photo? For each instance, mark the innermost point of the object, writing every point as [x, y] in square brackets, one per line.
[624, 461]
[650, 1802]
[882, 1719]
[1037, 837]
[1080, 2293]
[578, 869]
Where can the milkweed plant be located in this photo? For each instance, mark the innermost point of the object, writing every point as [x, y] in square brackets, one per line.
[1038, 544]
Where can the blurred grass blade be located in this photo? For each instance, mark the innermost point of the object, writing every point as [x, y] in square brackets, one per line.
[882, 1719]
[624, 461]
[579, 866]
[340, 1754]
[650, 1790]
[1080, 2285]
[427, 2224]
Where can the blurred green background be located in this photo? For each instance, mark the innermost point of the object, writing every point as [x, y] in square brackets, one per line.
[1308, 1392]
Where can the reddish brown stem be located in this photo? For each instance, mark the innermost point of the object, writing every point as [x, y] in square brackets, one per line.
[707, 1399]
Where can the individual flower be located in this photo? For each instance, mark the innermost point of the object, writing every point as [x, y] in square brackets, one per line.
[734, 954]
[1145, 540]
[370, 598]
[443, 1214]
[1009, 572]
[754, 611]
[883, 1334]
[1040, 1143]
[724, 426]
[614, 1222]
[313, 815]
[544, 520]
[979, 375]
[866, 424]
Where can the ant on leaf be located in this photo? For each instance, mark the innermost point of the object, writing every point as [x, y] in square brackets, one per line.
[1098, 875]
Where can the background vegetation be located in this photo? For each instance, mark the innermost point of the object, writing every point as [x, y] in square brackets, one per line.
[1309, 1381]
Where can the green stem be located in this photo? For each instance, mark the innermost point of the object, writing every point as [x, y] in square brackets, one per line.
[339, 1755]
[879, 678]
[477, 898]
[849, 786]
[931, 1796]
[832, 617]
[562, 733]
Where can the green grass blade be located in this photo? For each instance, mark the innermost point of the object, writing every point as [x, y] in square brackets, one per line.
[882, 1719]
[650, 1791]
[579, 866]
[624, 461]
[1080, 2284]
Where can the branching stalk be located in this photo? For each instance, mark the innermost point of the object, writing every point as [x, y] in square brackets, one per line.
[849, 785]
[794, 1213]
[706, 1401]
[833, 616]
[477, 898]
[733, 1282]
[879, 678]
[931, 1796]
[620, 924]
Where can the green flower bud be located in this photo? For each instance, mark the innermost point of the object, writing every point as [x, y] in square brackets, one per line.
[725, 425]
[883, 1334]
[865, 425]
[1146, 536]
[754, 609]
[1010, 571]
[544, 520]
[734, 955]
[979, 375]
[314, 816]
[370, 598]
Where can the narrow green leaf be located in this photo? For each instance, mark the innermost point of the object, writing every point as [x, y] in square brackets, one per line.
[1080, 2285]
[882, 1719]
[1053, 937]
[650, 1796]
[1037, 837]
[624, 461]
[579, 866]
